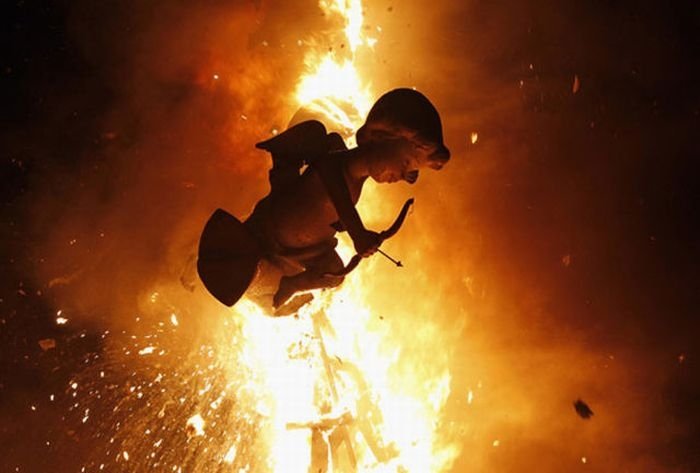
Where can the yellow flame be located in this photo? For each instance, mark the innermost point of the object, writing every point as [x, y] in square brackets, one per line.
[332, 370]
[334, 345]
[333, 87]
[335, 91]
[351, 12]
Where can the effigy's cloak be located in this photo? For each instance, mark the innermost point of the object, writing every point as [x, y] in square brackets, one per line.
[228, 257]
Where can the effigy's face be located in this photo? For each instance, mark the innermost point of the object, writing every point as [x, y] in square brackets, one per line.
[400, 160]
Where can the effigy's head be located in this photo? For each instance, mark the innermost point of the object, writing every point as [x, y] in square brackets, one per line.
[408, 116]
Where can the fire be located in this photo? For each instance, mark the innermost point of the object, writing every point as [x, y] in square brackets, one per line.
[339, 370]
[335, 91]
[333, 87]
[335, 388]
[329, 379]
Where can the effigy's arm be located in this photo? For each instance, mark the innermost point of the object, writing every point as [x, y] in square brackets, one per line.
[332, 174]
[388, 233]
[333, 178]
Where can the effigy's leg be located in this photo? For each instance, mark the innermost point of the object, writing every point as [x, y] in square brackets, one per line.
[314, 277]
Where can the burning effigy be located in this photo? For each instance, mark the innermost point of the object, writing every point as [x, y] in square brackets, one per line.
[286, 247]
[296, 370]
[282, 261]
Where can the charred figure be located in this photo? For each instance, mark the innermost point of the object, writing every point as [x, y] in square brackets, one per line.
[287, 245]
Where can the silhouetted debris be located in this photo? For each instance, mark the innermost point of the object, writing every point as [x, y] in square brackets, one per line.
[582, 409]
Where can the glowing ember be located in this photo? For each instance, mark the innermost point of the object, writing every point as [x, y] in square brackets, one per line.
[230, 455]
[195, 425]
[147, 351]
[575, 88]
[47, 344]
[60, 320]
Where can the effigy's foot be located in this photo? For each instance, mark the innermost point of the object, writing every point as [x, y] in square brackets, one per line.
[293, 306]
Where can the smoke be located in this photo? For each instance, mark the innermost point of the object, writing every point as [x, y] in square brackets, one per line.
[189, 93]
[558, 246]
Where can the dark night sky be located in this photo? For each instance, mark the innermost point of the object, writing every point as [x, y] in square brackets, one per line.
[608, 175]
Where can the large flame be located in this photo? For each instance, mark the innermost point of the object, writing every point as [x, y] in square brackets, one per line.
[332, 86]
[341, 392]
[334, 388]
[340, 371]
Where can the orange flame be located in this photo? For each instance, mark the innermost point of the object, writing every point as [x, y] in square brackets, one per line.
[333, 369]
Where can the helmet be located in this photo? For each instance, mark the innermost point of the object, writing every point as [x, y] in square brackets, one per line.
[406, 112]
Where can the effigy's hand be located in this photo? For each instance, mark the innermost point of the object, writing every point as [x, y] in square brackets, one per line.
[367, 242]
